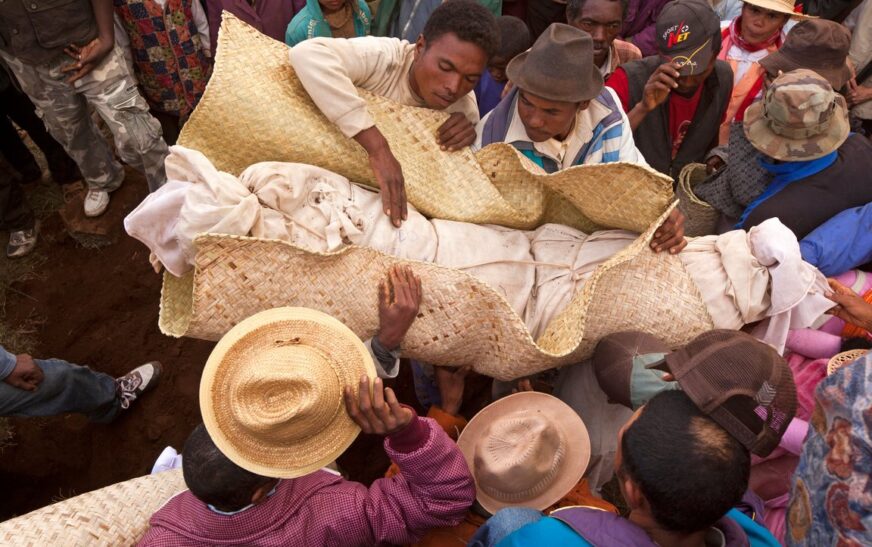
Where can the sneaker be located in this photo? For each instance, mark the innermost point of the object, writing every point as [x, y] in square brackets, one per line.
[136, 382]
[96, 203]
[21, 242]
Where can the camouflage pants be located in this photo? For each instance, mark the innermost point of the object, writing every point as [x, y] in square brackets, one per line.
[111, 90]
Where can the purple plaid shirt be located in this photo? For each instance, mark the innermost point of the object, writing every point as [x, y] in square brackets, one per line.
[435, 488]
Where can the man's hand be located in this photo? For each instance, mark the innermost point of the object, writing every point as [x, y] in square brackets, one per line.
[381, 414]
[451, 382]
[714, 163]
[851, 308]
[399, 300]
[659, 85]
[457, 132]
[26, 375]
[857, 94]
[670, 234]
[86, 57]
[388, 173]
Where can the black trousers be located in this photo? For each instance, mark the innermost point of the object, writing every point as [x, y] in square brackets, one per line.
[15, 213]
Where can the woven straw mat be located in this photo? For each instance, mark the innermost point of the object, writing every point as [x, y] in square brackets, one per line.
[115, 515]
[254, 109]
[462, 321]
[701, 218]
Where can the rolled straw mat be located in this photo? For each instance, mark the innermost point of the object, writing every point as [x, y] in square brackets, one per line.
[701, 218]
[254, 109]
[462, 321]
[115, 515]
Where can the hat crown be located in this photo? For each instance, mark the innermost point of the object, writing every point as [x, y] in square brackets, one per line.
[518, 455]
[818, 43]
[799, 104]
[288, 397]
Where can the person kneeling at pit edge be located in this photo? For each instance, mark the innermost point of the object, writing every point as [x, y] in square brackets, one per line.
[254, 469]
[47, 387]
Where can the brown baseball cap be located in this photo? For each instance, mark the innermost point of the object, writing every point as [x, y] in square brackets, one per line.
[815, 44]
[740, 382]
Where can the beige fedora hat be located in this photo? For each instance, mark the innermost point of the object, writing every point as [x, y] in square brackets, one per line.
[528, 449]
[780, 6]
[271, 391]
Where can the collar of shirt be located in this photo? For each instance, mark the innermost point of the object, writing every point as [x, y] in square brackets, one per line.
[249, 506]
[607, 67]
[562, 152]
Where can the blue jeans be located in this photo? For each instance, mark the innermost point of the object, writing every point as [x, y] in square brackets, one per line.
[66, 388]
[502, 524]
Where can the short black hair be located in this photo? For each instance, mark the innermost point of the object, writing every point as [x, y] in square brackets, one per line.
[468, 20]
[688, 467]
[514, 37]
[574, 7]
[213, 478]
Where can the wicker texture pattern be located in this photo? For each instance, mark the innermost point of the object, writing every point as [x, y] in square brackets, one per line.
[702, 218]
[462, 321]
[112, 516]
[254, 109]
[846, 357]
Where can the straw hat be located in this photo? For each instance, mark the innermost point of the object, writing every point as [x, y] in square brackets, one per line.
[271, 392]
[528, 449]
[781, 6]
[839, 360]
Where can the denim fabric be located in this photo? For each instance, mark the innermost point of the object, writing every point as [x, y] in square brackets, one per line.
[66, 388]
[502, 524]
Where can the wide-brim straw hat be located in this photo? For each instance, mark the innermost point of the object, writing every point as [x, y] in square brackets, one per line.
[781, 6]
[271, 394]
[559, 66]
[784, 126]
[528, 449]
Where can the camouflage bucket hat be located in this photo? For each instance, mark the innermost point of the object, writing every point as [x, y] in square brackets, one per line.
[800, 118]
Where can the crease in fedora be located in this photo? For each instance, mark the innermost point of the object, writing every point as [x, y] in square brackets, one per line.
[496, 445]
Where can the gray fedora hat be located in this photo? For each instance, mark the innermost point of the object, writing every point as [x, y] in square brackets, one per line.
[559, 66]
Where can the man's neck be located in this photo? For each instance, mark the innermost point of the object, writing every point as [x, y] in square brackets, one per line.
[668, 538]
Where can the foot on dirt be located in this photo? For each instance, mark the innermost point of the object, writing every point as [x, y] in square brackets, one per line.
[136, 382]
[96, 203]
[21, 242]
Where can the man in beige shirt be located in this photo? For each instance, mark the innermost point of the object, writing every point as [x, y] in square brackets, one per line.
[438, 71]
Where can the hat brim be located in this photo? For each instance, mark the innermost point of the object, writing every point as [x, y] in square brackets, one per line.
[778, 60]
[584, 89]
[279, 459]
[780, 8]
[782, 148]
[559, 413]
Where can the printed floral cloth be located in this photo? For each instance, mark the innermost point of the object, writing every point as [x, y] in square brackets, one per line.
[831, 502]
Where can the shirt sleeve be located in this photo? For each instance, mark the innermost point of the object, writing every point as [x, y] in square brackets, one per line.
[7, 363]
[628, 151]
[479, 130]
[387, 362]
[620, 84]
[330, 69]
[202, 24]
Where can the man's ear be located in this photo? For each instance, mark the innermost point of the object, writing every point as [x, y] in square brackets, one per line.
[632, 494]
[260, 495]
[420, 46]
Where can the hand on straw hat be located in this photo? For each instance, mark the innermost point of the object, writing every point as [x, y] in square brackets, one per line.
[380, 413]
[399, 300]
[670, 234]
[851, 308]
[388, 173]
[457, 132]
[26, 375]
[451, 382]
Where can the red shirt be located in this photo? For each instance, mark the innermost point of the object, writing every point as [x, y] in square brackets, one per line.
[681, 109]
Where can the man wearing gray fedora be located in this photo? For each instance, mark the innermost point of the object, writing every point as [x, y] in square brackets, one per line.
[559, 114]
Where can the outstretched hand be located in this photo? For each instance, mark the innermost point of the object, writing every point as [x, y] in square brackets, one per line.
[399, 300]
[379, 413]
[670, 235]
[850, 308]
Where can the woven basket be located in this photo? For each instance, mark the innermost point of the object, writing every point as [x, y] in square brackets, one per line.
[111, 516]
[841, 359]
[462, 321]
[254, 109]
[702, 218]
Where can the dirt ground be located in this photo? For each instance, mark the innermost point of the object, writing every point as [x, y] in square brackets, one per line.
[99, 307]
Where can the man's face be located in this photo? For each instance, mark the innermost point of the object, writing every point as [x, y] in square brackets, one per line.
[687, 85]
[544, 119]
[330, 6]
[497, 68]
[446, 69]
[601, 19]
[759, 24]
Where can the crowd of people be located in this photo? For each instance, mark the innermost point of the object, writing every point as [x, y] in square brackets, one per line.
[734, 438]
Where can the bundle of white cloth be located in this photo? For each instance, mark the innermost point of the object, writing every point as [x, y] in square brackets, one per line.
[743, 277]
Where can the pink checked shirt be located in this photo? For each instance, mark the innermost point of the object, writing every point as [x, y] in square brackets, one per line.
[434, 489]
